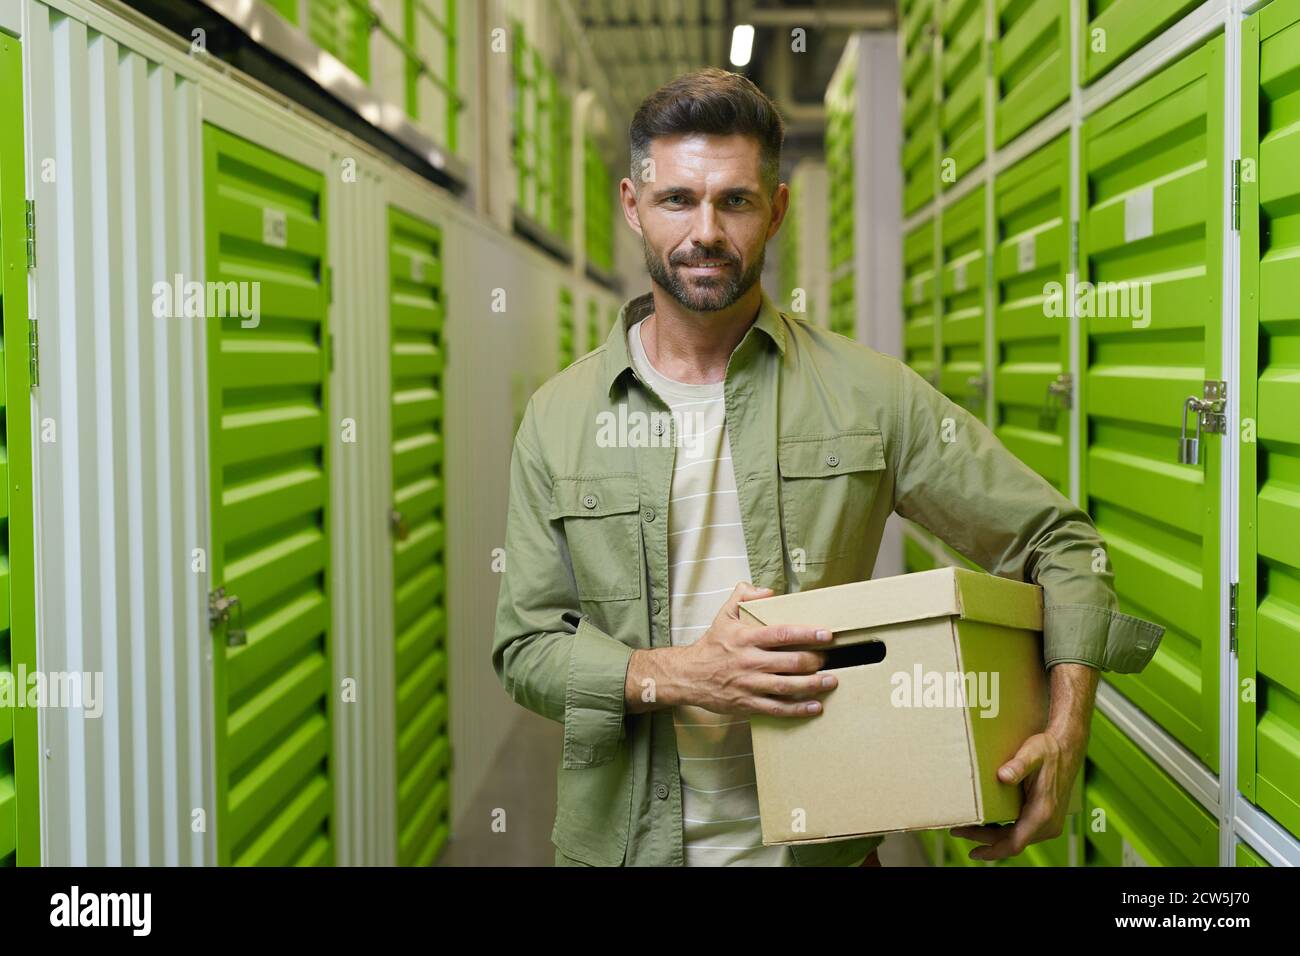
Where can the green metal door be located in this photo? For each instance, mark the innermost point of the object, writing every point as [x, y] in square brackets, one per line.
[1269, 599]
[1151, 241]
[419, 550]
[840, 108]
[270, 436]
[920, 127]
[962, 70]
[568, 332]
[19, 767]
[1112, 29]
[919, 301]
[962, 375]
[1031, 63]
[1031, 346]
[1134, 813]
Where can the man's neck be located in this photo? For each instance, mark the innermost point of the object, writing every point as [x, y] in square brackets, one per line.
[694, 347]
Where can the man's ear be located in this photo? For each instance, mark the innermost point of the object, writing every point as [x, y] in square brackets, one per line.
[780, 206]
[627, 197]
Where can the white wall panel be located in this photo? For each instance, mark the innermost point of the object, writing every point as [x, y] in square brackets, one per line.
[364, 751]
[121, 495]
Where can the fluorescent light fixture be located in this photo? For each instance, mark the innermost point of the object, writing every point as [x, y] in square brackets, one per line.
[742, 44]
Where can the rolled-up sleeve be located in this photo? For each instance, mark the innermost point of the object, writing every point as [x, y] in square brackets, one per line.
[548, 657]
[954, 478]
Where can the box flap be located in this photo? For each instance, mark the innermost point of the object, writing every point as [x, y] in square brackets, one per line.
[941, 592]
[995, 600]
[864, 604]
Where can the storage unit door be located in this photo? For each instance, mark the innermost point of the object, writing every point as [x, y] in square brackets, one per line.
[270, 434]
[962, 375]
[963, 71]
[1269, 602]
[1110, 30]
[916, 557]
[919, 302]
[920, 128]
[1031, 346]
[20, 836]
[840, 103]
[1135, 814]
[1151, 242]
[420, 545]
[1031, 63]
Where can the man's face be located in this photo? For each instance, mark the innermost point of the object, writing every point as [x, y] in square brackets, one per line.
[705, 218]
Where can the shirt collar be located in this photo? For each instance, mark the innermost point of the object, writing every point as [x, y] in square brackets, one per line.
[618, 359]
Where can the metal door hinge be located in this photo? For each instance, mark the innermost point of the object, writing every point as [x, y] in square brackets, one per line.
[33, 353]
[31, 233]
[1232, 617]
[1074, 246]
[1236, 195]
[329, 285]
[1214, 407]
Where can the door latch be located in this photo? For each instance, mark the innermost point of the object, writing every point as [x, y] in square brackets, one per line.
[1211, 417]
[220, 607]
[397, 523]
[1059, 396]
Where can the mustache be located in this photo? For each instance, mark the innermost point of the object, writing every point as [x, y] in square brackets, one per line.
[698, 259]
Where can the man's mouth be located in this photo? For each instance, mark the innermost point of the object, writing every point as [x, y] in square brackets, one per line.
[708, 266]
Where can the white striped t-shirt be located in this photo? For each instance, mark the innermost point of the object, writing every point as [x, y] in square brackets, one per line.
[706, 559]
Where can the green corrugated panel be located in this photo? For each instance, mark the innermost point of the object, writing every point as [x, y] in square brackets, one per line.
[1031, 348]
[919, 301]
[286, 8]
[342, 28]
[962, 375]
[20, 837]
[568, 332]
[271, 433]
[920, 122]
[1153, 213]
[1112, 29]
[1135, 814]
[916, 557]
[1248, 857]
[840, 106]
[842, 312]
[963, 69]
[1269, 600]
[416, 312]
[1031, 63]
[598, 188]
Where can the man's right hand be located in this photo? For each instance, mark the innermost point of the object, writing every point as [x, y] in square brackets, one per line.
[734, 668]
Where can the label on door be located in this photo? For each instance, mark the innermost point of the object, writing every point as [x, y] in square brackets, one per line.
[1027, 254]
[1130, 856]
[959, 277]
[417, 270]
[275, 227]
[1139, 214]
[918, 288]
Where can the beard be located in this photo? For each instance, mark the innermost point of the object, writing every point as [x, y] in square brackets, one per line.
[707, 293]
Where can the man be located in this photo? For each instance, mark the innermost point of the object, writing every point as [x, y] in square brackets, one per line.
[713, 440]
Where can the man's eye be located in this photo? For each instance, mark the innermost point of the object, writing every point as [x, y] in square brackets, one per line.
[737, 200]
[673, 199]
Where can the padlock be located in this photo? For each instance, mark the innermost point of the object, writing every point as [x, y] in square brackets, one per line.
[1189, 449]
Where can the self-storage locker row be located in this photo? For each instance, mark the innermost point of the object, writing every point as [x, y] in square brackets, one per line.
[1142, 289]
[274, 438]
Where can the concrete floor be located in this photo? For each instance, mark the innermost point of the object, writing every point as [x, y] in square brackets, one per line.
[520, 792]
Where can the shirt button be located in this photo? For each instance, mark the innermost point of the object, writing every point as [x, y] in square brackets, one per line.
[589, 502]
[832, 460]
[659, 428]
[661, 791]
[657, 606]
[648, 514]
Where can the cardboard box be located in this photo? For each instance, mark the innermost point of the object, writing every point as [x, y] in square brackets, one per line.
[941, 680]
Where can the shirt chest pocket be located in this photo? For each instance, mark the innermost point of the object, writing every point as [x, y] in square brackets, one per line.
[828, 487]
[602, 524]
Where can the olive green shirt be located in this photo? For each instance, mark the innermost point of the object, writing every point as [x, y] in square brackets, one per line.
[828, 438]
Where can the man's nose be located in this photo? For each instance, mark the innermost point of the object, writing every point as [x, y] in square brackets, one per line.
[705, 230]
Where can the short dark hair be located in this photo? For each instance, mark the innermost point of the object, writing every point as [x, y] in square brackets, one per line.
[709, 101]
